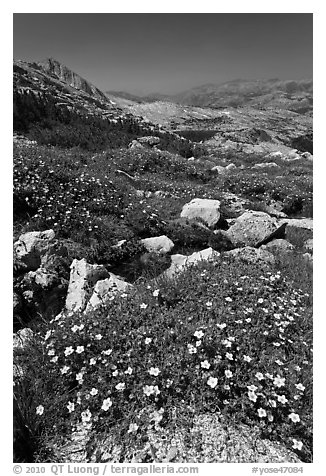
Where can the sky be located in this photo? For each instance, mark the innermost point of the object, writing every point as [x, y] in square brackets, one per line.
[168, 52]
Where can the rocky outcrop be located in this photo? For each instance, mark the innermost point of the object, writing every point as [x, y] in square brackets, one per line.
[307, 156]
[302, 223]
[252, 255]
[64, 74]
[181, 262]
[219, 169]
[252, 228]
[22, 339]
[221, 442]
[279, 233]
[275, 209]
[31, 246]
[147, 141]
[203, 209]
[106, 289]
[298, 230]
[158, 244]
[292, 156]
[135, 145]
[233, 204]
[41, 276]
[83, 277]
[277, 153]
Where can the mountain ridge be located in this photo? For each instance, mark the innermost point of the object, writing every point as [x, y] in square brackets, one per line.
[263, 93]
[59, 71]
[290, 94]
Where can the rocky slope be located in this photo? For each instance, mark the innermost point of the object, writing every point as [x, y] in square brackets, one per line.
[67, 88]
[274, 93]
[270, 130]
[56, 69]
[273, 113]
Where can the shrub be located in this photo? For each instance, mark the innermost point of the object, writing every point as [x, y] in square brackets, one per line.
[293, 205]
[114, 255]
[45, 119]
[143, 223]
[303, 143]
[192, 236]
[30, 431]
[185, 234]
[297, 206]
[226, 338]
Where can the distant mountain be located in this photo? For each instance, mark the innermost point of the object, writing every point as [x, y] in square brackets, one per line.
[290, 95]
[293, 95]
